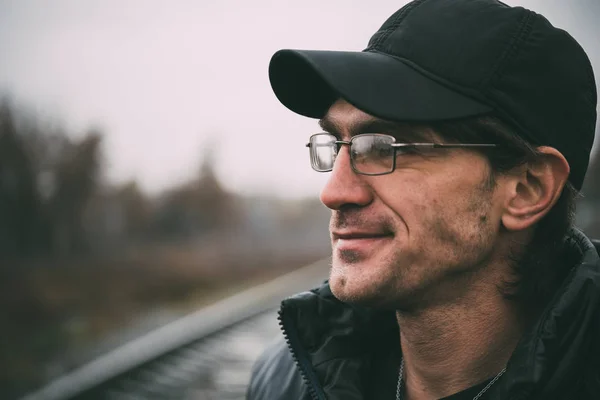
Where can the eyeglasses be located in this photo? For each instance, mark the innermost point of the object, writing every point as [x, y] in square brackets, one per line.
[370, 153]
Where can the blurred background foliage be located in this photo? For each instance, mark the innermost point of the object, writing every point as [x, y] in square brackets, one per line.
[85, 265]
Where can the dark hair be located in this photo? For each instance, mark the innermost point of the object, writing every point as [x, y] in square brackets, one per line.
[544, 262]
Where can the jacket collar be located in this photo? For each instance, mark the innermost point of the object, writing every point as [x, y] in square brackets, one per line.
[332, 338]
[554, 355]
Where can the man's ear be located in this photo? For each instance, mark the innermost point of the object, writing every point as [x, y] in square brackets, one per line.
[534, 190]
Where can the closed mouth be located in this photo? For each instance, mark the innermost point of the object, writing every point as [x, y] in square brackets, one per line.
[359, 235]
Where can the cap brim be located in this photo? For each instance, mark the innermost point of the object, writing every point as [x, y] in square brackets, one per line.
[308, 82]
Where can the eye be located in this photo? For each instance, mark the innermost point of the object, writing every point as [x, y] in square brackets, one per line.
[372, 148]
[381, 150]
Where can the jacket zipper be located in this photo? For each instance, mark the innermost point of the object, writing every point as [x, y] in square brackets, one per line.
[300, 357]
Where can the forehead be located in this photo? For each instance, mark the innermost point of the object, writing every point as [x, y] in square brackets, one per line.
[342, 118]
[342, 109]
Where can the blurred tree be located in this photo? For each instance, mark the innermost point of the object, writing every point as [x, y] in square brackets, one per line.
[46, 181]
[136, 209]
[216, 203]
[197, 207]
[19, 206]
[77, 178]
[116, 217]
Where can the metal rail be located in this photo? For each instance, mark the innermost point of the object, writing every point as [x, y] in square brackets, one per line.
[205, 355]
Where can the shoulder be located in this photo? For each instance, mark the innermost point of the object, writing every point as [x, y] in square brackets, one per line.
[275, 375]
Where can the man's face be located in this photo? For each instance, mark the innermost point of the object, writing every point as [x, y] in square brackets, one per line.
[417, 235]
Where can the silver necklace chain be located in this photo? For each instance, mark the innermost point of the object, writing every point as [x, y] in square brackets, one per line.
[477, 397]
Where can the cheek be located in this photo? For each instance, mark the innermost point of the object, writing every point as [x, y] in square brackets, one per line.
[444, 192]
[409, 200]
[435, 206]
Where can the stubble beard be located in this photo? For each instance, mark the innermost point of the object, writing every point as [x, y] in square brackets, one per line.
[409, 280]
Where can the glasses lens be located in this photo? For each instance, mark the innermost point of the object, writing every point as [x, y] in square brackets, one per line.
[322, 152]
[373, 154]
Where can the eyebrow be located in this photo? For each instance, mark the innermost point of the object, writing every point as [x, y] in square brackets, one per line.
[403, 132]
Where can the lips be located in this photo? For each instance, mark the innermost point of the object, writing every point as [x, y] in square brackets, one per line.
[359, 242]
[357, 235]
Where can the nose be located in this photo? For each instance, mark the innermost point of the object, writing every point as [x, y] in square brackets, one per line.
[345, 187]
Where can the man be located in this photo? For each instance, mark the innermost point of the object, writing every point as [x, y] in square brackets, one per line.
[457, 143]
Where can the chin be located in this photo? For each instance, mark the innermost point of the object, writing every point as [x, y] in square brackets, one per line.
[378, 282]
[358, 288]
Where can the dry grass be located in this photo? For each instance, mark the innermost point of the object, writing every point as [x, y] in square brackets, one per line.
[48, 309]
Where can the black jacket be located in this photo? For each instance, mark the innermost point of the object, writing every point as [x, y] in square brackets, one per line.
[334, 350]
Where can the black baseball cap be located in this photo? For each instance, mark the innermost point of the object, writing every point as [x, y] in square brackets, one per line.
[448, 59]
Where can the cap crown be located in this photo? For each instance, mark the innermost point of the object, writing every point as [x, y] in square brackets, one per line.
[535, 76]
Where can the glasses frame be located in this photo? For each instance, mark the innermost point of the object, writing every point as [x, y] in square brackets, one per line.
[394, 145]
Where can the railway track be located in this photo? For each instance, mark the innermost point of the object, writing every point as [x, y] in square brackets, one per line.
[204, 356]
[215, 367]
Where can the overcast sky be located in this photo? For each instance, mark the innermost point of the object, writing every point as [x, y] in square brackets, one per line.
[164, 78]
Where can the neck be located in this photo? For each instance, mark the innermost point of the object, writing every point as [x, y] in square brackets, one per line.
[452, 346]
